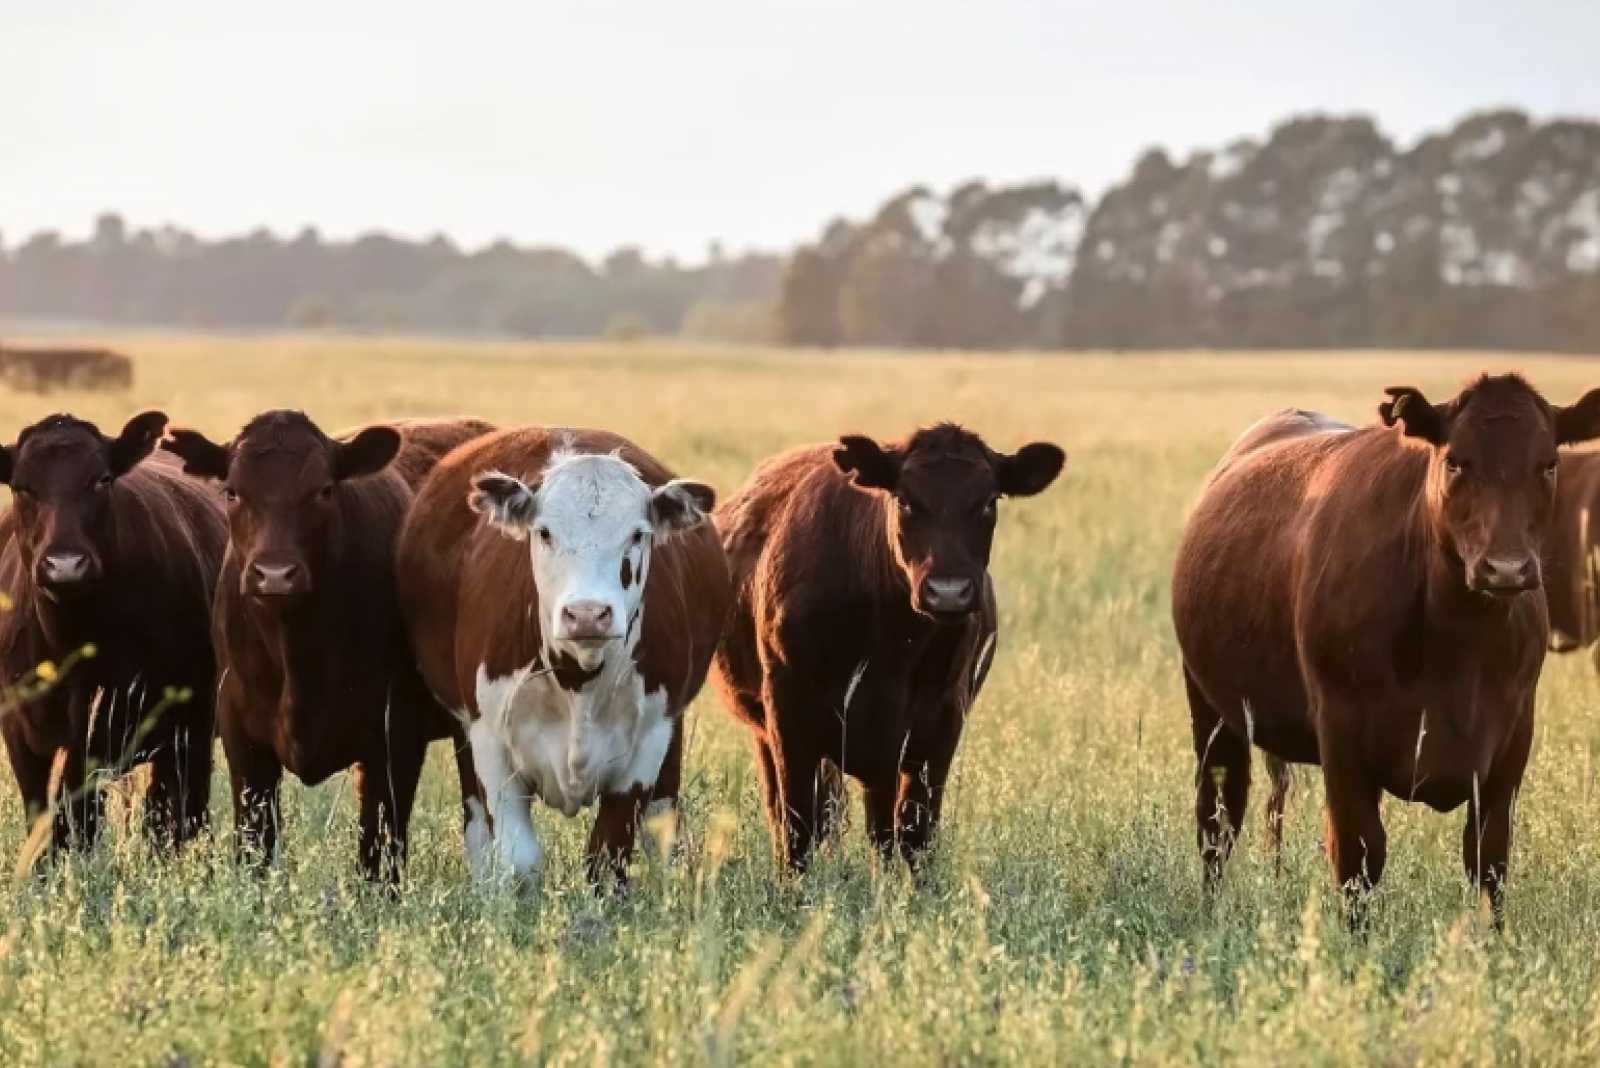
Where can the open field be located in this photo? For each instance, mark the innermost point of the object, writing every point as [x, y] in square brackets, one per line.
[1062, 921]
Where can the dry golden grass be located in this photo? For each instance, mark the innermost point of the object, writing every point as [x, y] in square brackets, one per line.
[1062, 922]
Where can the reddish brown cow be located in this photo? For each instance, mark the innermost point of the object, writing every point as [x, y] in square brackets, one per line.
[1572, 558]
[100, 548]
[864, 621]
[1366, 599]
[316, 672]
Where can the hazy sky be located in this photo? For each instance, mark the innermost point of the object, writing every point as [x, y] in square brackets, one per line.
[668, 124]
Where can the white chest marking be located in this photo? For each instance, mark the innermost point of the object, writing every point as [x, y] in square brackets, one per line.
[533, 737]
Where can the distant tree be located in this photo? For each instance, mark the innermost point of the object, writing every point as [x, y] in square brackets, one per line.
[627, 326]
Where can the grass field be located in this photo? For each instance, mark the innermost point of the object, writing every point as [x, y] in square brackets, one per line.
[1062, 922]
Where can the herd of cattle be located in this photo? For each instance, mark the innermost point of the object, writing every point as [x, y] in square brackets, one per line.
[551, 600]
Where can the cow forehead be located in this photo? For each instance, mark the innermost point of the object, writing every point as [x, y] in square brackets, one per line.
[598, 492]
[60, 449]
[284, 458]
[1511, 426]
[947, 475]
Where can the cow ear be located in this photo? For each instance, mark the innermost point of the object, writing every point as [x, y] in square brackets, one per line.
[680, 504]
[365, 454]
[1579, 422]
[868, 464]
[508, 503]
[1407, 406]
[1030, 469]
[137, 440]
[201, 456]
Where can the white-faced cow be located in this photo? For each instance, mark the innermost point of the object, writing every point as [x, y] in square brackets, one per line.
[564, 593]
[102, 548]
[316, 672]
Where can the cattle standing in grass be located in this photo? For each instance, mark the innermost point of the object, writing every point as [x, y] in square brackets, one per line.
[564, 593]
[1572, 573]
[102, 549]
[316, 672]
[1366, 599]
[864, 621]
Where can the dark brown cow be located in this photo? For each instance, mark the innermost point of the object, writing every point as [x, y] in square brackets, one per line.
[864, 621]
[1572, 556]
[1366, 599]
[564, 594]
[316, 672]
[100, 548]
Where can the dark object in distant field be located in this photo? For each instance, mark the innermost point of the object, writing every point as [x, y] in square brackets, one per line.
[103, 546]
[864, 622]
[43, 370]
[1367, 599]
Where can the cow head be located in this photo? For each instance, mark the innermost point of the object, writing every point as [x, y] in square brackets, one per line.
[940, 490]
[590, 522]
[281, 478]
[1492, 472]
[62, 473]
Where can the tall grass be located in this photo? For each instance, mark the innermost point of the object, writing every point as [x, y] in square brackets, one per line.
[1061, 921]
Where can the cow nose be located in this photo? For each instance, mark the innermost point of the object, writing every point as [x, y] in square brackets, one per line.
[274, 580]
[586, 619]
[63, 568]
[1507, 574]
[947, 594]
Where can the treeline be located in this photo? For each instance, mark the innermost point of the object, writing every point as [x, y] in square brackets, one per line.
[167, 276]
[1326, 234]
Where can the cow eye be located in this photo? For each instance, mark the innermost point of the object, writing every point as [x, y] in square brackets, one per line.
[906, 507]
[544, 535]
[638, 537]
[1452, 465]
[988, 508]
[325, 493]
[22, 493]
[103, 482]
[230, 494]
[1550, 469]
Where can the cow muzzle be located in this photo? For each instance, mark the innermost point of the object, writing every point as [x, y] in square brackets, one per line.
[276, 578]
[947, 595]
[1504, 576]
[65, 569]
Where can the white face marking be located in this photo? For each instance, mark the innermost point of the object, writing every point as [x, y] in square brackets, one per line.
[589, 524]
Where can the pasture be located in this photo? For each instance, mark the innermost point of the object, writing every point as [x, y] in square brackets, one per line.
[1061, 921]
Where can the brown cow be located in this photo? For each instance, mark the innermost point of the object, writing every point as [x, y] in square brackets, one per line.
[101, 548]
[564, 595]
[316, 672]
[1366, 599]
[864, 621]
[1572, 557]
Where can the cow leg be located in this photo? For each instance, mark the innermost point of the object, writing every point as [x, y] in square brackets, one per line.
[832, 800]
[1279, 772]
[80, 805]
[386, 783]
[1486, 839]
[771, 789]
[1222, 783]
[922, 799]
[254, 774]
[516, 846]
[477, 839]
[616, 825]
[1357, 844]
[879, 800]
[179, 793]
[796, 758]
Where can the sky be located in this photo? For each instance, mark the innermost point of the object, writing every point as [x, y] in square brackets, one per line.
[593, 125]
